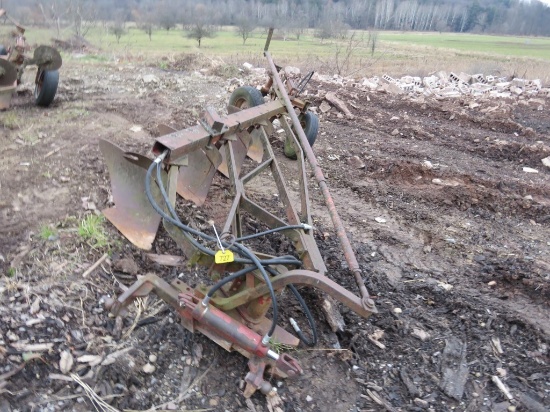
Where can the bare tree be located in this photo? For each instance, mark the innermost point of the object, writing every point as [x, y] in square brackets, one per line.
[166, 15]
[372, 41]
[245, 27]
[330, 28]
[291, 16]
[147, 27]
[345, 51]
[54, 12]
[118, 29]
[200, 26]
[82, 16]
[200, 31]
[144, 17]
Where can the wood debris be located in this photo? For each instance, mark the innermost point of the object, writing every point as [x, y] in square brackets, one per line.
[333, 315]
[377, 398]
[339, 104]
[274, 402]
[32, 347]
[166, 260]
[495, 343]
[454, 368]
[95, 265]
[496, 380]
[409, 383]
[66, 361]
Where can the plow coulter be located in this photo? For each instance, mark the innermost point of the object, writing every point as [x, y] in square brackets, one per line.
[246, 283]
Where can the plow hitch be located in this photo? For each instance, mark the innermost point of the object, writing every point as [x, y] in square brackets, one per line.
[244, 284]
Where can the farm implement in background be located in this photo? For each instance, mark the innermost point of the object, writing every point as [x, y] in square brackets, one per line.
[14, 60]
[233, 311]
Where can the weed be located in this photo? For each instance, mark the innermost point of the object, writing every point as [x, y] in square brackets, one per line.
[47, 232]
[11, 272]
[279, 347]
[226, 71]
[30, 138]
[92, 231]
[10, 120]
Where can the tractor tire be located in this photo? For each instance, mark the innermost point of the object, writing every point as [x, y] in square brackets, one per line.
[245, 97]
[46, 87]
[310, 123]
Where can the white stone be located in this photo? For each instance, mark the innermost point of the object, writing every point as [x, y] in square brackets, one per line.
[148, 368]
[292, 71]
[150, 78]
[530, 170]
[546, 161]
[420, 334]
[66, 361]
[247, 66]
[518, 82]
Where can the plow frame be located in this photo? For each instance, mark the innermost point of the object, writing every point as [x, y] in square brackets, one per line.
[235, 315]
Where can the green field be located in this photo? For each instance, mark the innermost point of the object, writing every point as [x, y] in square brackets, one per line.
[396, 52]
[535, 47]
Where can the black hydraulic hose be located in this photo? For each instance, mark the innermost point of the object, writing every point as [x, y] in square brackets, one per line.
[307, 312]
[277, 229]
[243, 250]
[276, 261]
[309, 317]
[228, 279]
[174, 219]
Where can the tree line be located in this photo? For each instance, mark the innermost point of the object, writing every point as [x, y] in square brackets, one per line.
[327, 17]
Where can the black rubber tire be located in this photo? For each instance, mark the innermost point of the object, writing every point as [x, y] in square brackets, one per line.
[3, 51]
[310, 124]
[245, 97]
[46, 87]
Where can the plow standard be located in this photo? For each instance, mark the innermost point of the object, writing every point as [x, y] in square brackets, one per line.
[232, 311]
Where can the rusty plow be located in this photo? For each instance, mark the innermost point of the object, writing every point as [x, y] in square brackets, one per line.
[244, 283]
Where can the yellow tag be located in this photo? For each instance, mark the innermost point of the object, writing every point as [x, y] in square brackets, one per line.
[224, 257]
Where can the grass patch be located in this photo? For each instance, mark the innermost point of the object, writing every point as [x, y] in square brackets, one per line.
[11, 272]
[511, 46]
[47, 232]
[396, 54]
[9, 120]
[92, 231]
[279, 347]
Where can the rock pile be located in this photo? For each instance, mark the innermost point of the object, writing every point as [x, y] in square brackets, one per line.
[444, 85]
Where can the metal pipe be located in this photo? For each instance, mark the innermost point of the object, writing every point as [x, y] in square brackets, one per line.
[340, 230]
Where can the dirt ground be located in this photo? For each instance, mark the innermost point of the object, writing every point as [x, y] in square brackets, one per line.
[452, 235]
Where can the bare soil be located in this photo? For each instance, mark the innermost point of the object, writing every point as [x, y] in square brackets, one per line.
[452, 235]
